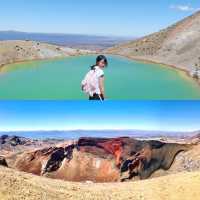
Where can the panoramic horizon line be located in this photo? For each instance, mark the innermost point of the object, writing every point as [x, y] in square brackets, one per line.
[82, 34]
[68, 130]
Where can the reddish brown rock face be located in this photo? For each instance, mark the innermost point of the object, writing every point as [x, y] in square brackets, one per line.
[87, 167]
[101, 160]
[34, 162]
[112, 147]
[81, 166]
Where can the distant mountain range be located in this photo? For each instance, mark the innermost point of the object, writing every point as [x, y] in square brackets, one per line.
[70, 40]
[75, 134]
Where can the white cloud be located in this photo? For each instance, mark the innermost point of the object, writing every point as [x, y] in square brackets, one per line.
[184, 8]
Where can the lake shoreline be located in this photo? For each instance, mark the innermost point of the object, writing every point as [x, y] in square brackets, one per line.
[18, 51]
[138, 72]
[148, 61]
[42, 59]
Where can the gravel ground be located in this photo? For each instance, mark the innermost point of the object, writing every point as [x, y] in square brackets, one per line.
[21, 186]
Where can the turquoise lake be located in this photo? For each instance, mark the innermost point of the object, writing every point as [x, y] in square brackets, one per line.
[125, 79]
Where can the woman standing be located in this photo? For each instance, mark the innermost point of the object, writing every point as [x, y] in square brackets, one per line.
[93, 84]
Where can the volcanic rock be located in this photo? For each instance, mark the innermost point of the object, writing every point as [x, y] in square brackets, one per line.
[101, 159]
[3, 161]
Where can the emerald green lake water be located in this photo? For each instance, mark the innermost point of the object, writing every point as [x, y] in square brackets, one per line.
[125, 79]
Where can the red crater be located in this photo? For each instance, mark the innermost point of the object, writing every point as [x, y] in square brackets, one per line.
[101, 159]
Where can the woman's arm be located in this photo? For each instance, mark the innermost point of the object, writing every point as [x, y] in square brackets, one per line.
[101, 85]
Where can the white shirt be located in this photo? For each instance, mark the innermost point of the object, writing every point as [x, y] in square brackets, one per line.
[99, 73]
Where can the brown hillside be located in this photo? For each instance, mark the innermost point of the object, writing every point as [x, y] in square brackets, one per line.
[177, 45]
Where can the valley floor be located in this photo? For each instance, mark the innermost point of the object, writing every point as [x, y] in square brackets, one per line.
[18, 185]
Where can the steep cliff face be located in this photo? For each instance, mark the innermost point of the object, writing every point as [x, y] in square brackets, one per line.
[177, 45]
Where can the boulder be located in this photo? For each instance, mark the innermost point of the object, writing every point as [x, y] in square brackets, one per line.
[3, 161]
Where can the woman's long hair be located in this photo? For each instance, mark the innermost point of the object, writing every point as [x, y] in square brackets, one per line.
[98, 59]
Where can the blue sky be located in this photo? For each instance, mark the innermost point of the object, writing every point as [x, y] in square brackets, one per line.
[105, 17]
[73, 115]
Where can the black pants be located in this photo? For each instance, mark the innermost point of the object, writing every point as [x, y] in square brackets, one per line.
[97, 97]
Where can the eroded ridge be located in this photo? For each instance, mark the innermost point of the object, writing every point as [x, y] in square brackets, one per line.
[101, 159]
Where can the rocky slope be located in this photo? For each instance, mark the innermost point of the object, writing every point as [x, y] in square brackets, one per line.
[13, 146]
[177, 45]
[16, 143]
[58, 158]
[110, 160]
[16, 51]
[19, 185]
[100, 158]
